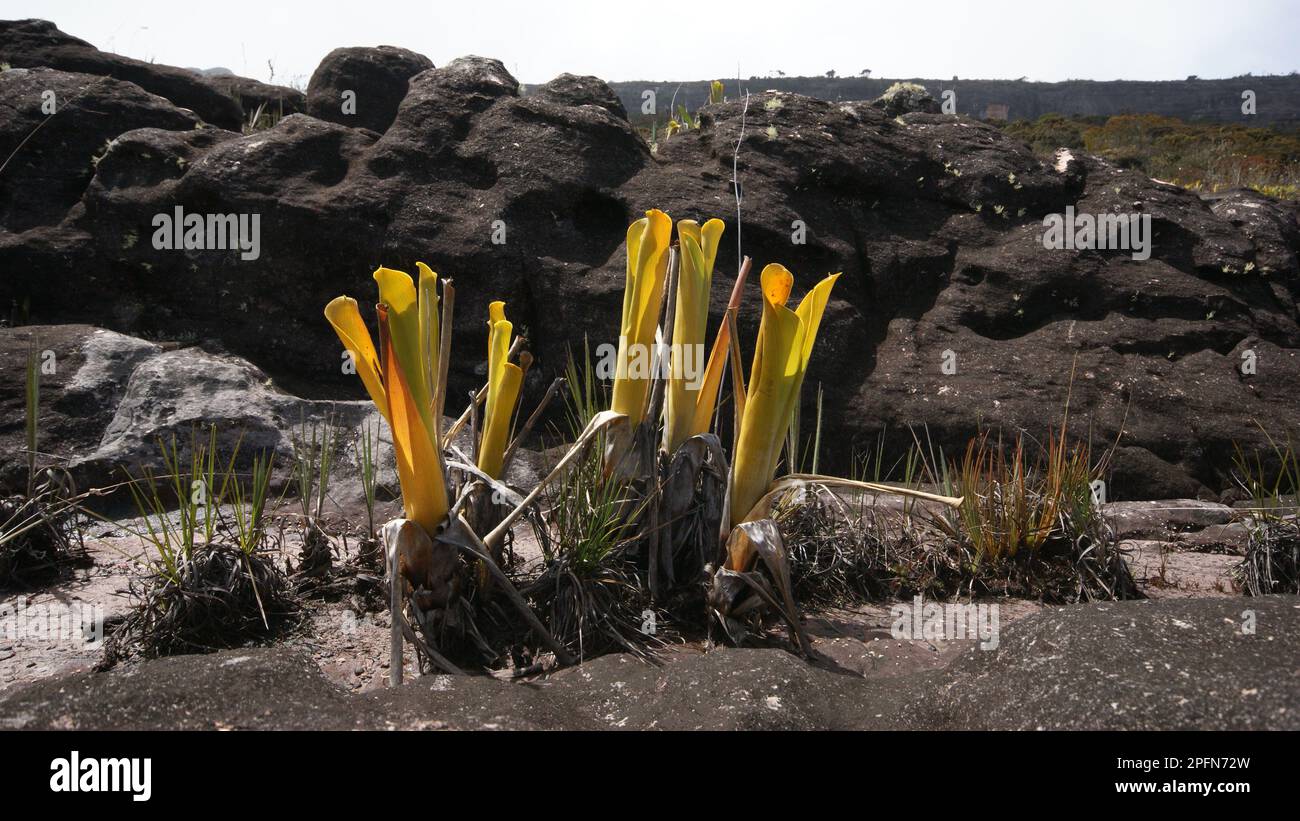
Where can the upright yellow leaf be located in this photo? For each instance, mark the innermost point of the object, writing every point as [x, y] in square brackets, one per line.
[504, 382]
[429, 340]
[687, 378]
[419, 465]
[647, 265]
[397, 291]
[785, 340]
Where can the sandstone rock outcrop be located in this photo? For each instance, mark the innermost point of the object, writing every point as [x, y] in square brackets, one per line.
[952, 315]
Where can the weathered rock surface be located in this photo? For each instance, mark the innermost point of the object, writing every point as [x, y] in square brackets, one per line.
[376, 78]
[83, 376]
[935, 220]
[32, 43]
[252, 94]
[574, 89]
[1165, 665]
[1198, 664]
[1165, 517]
[46, 177]
[106, 399]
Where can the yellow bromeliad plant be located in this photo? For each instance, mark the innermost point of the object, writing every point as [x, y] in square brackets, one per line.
[781, 355]
[768, 406]
[402, 378]
[406, 377]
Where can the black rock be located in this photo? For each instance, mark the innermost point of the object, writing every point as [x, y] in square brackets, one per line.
[32, 43]
[574, 89]
[51, 159]
[375, 77]
[936, 222]
[274, 101]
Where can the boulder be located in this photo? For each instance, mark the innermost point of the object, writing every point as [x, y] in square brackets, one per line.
[376, 79]
[51, 159]
[1158, 520]
[84, 372]
[33, 43]
[107, 400]
[174, 393]
[574, 89]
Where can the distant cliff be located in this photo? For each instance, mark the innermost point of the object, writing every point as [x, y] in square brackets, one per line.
[1277, 98]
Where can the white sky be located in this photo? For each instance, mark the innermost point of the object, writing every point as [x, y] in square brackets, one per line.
[1091, 39]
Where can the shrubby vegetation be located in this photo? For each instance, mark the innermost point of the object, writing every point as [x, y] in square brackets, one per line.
[1205, 157]
[1271, 482]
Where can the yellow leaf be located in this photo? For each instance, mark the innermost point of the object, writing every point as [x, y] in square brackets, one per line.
[810, 312]
[345, 317]
[691, 317]
[785, 340]
[504, 382]
[647, 266]
[419, 465]
[429, 340]
[397, 291]
[711, 236]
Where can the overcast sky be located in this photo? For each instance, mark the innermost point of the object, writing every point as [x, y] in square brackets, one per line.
[1091, 39]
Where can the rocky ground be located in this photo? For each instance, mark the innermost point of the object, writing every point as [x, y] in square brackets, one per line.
[1179, 659]
[1126, 665]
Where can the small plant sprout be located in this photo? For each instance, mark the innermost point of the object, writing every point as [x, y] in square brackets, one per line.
[32, 393]
[249, 504]
[369, 473]
[211, 583]
[314, 445]
[1272, 481]
[38, 529]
